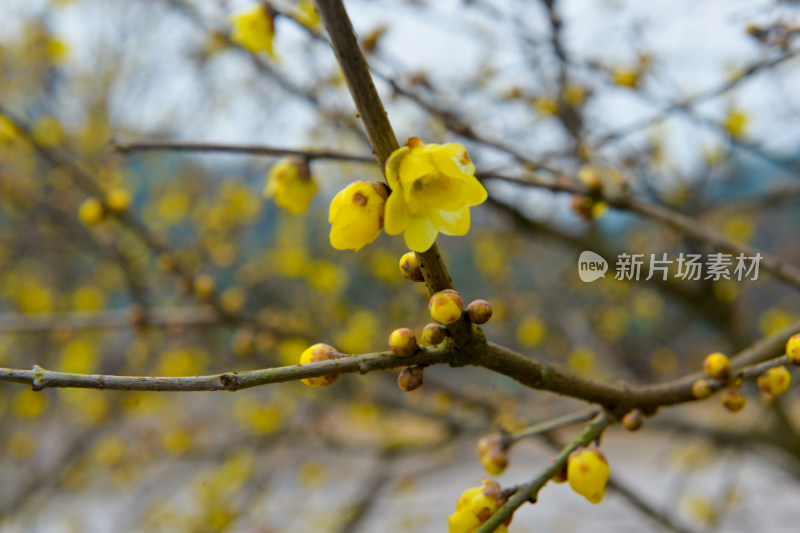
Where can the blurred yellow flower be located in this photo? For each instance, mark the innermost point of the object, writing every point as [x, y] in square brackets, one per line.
[254, 29]
[475, 506]
[736, 123]
[290, 183]
[356, 215]
[625, 77]
[433, 187]
[587, 473]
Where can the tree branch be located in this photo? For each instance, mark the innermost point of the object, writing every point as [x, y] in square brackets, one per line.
[309, 155]
[381, 136]
[530, 490]
[40, 378]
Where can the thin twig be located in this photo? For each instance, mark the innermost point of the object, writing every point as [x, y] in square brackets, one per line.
[552, 425]
[40, 378]
[309, 155]
[529, 491]
[668, 217]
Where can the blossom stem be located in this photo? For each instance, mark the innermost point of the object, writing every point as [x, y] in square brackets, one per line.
[381, 135]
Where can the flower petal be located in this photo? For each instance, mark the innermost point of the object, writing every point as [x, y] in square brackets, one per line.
[394, 218]
[413, 167]
[420, 234]
[392, 167]
[472, 191]
[454, 222]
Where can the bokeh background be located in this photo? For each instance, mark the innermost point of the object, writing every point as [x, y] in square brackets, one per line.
[690, 104]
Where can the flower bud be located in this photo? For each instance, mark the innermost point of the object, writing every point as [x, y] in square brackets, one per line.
[314, 354]
[204, 286]
[475, 506]
[583, 206]
[701, 389]
[433, 334]
[793, 349]
[118, 201]
[587, 473]
[446, 306]
[632, 421]
[410, 267]
[492, 453]
[410, 378]
[91, 212]
[775, 381]
[733, 400]
[479, 311]
[403, 342]
[717, 366]
[356, 215]
[290, 183]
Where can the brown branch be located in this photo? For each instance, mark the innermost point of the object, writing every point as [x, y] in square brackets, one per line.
[619, 399]
[40, 378]
[309, 155]
[684, 224]
[687, 104]
[380, 133]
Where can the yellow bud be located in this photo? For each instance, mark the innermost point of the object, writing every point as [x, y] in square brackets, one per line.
[475, 506]
[717, 366]
[91, 212]
[118, 201]
[446, 306]
[583, 206]
[587, 473]
[733, 400]
[492, 454]
[314, 354]
[793, 349]
[479, 311]
[289, 182]
[775, 381]
[433, 334]
[254, 29]
[204, 286]
[410, 267]
[410, 378]
[632, 421]
[403, 342]
[701, 389]
[356, 215]
[625, 77]
[574, 95]
[590, 176]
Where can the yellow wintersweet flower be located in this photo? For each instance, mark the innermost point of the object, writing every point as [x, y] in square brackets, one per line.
[475, 506]
[307, 15]
[254, 29]
[433, 187]
[290, 183]
[587, 473]
[356, 215]
[736, 123]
